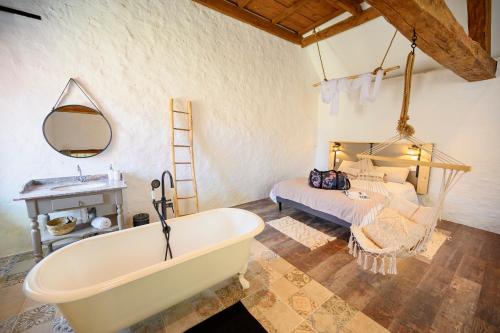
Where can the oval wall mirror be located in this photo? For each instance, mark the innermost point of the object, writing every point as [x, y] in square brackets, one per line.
[77, 131]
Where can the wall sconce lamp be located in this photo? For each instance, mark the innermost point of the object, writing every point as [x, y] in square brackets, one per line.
[414, 152]
[335, 148]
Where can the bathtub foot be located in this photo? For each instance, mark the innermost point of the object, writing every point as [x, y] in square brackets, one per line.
[245, 284]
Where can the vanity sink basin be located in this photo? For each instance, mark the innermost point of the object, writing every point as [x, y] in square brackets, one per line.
[79, 186]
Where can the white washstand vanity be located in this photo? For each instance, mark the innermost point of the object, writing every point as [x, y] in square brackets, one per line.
[45, 196]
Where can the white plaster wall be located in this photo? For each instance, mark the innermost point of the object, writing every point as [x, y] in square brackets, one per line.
[254, 113]
[461, 118]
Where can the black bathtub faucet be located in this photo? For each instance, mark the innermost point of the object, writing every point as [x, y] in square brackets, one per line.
[164, 205]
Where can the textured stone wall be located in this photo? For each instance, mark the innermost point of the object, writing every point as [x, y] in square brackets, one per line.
[254, 109]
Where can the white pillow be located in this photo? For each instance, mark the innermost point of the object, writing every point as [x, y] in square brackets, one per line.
[352, 173]
[372, 175]
[404, 207]
[352, 165]
[345, 165]
[394, 174]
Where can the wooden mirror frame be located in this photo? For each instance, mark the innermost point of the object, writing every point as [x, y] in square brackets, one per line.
[74, 108]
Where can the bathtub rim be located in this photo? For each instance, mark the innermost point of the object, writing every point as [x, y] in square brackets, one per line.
[33, 290]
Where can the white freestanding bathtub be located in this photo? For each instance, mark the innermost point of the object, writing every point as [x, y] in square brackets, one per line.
[111, 281]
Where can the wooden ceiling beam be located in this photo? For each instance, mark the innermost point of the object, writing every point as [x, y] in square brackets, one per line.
[479, 22]
[289, 11]
[243, 3]
[255, 20]
[351, 6]
[348, 23]
[439, 35]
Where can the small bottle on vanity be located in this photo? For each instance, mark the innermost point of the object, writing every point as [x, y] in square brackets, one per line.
[111, 173]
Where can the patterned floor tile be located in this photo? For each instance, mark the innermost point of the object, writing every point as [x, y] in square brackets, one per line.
[230, 294]
[257, 314]
[301, 303]
[283, 288]
[207, 304]
[12, 279]
[30, 304]
[332, 316]
[304, 327]
[268, 267]
[22, 266]
[12, 299]
[7, 325]
[257, 249]
[33, 317]
[279, 315]
[309, 298]
[180, 317]
[298, 278]
[61, 325]
[8, 263]
[42, 328]
[153, 324]
[280, 266]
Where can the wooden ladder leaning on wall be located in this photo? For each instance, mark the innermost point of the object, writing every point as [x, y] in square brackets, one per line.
[174, 146]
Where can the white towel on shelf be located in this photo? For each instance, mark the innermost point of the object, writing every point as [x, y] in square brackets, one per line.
[101, 223]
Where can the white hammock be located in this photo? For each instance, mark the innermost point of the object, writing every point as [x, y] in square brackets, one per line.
[382, 259]
[404, 234]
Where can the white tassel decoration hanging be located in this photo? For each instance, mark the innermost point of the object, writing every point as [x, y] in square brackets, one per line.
[392, 265]
[374, 265]
[381, 268]
[365, 263]
[355, 250]
[360, 258]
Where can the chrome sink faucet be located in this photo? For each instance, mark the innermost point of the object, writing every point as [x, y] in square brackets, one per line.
[81, 177]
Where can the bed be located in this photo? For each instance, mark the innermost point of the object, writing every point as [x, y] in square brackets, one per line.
[335, 206]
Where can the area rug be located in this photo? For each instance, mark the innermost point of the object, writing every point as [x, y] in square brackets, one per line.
[301, 232]
[437, 240]
[235, 318]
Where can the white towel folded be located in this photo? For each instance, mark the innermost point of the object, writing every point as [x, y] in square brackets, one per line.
[355, 195]
[101, 223]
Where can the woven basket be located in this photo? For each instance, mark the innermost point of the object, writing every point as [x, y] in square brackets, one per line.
[61, 225]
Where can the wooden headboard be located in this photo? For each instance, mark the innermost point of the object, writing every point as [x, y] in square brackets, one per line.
[349, 149]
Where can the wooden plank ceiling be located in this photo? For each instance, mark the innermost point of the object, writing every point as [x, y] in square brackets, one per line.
[440, 34]
[292, 19]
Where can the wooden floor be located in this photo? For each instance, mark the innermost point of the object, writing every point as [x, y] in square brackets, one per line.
[458, 291]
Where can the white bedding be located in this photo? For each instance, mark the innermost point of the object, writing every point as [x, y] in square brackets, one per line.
[336, 203]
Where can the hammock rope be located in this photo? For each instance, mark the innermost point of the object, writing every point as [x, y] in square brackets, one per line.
[403, 127]
[319, 53]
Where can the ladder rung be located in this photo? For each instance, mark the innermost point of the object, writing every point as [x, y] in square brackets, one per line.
[182, 198]
[180, 112]
[182, 146]
[183, 180]
[182, 162]
[181, 129]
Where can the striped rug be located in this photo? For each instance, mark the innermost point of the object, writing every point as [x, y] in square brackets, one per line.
[301, 232]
